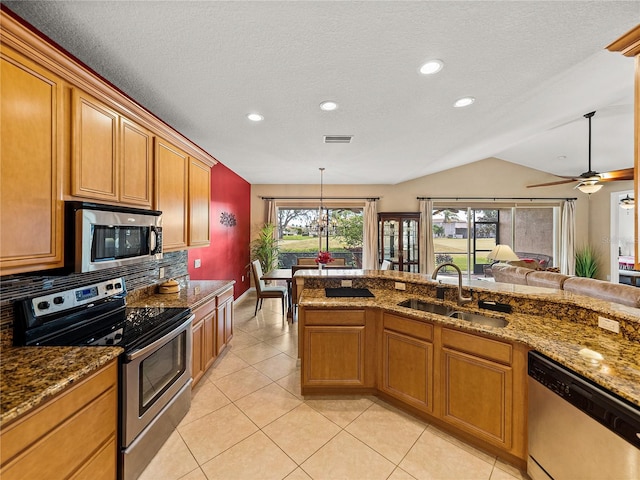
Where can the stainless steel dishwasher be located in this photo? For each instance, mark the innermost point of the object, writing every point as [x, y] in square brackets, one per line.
[577, 429]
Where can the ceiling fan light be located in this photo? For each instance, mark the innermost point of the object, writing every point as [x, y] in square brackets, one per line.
[589, 186]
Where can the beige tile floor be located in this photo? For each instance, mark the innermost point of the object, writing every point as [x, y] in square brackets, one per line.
[248, 421]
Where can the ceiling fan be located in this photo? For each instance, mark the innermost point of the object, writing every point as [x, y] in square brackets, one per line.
[590, 181]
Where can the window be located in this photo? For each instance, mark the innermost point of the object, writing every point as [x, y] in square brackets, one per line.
[303, 231]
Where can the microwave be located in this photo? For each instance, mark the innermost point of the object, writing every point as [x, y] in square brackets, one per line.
[105, 236]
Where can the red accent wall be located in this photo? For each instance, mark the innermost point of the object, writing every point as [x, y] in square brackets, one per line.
[227, 257]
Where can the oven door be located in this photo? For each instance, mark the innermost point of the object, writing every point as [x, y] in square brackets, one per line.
[151, 377]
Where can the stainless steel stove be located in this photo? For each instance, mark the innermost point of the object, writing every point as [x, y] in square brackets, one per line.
[155, 368]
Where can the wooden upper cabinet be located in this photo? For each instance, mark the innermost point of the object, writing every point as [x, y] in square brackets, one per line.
[136, 164]
[171, 187]
[31, 143]
[95, 162]
[199, 200]
[112, 156]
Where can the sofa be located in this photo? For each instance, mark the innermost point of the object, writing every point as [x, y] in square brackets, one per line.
[603, 290]
[534, 261]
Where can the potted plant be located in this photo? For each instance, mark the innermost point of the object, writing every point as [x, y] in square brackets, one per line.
[265, 248]
[586, 262]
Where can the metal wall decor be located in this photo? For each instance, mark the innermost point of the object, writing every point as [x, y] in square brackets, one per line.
[228, 219]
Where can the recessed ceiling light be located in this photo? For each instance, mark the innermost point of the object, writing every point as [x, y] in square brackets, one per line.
[431, 67]
[328, 105]
[255, 117]
[464, 102]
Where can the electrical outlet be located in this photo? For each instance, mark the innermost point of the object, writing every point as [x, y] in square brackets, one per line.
[346, 283]
[608, 324]
[242, 278]
[401, 286]
[161, 274]
[197, 263]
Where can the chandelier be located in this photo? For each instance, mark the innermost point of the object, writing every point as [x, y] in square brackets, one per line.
[323, 225]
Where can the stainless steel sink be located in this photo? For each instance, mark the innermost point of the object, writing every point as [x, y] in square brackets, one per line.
[438, 309]
[481, 319]
[423, 306]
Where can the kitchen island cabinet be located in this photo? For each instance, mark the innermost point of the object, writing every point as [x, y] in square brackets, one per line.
[407, 361]
[484, 388]
[473, 384]
[338, 350]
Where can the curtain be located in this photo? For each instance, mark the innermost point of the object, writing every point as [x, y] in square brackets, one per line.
[270, 212]
[427, 255]
[370, 236]
[567, 238]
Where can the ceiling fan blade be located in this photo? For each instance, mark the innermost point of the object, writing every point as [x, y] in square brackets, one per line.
[613, 175]
[559, 182]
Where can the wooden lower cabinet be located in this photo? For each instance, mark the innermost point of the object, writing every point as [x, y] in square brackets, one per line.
[477, 396]
[224, 319]
[334, 356]
[212, 330]
[338, 347]
[71, 436]
[197, 349]
[471, 383]
[483, 389]
[407, 361]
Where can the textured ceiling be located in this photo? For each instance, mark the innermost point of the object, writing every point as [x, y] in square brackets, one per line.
[535, 69]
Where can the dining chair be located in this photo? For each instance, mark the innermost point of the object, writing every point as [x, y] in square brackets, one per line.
[263, 291]
[306, 261]
[312, 261]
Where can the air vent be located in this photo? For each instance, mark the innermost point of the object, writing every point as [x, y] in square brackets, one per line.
[338, 138]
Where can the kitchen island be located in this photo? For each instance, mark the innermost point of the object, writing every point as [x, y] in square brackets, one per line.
[466, 377]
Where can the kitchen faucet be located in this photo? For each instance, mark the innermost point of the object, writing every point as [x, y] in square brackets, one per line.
[461, 300]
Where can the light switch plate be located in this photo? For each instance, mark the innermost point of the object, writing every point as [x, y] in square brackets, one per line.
[401, 286]
[197, 263]
[161, 273]
[346, 283]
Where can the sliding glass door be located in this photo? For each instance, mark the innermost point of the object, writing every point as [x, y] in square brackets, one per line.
[465, 236]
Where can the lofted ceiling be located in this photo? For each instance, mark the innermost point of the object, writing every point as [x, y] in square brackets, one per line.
[534, 67]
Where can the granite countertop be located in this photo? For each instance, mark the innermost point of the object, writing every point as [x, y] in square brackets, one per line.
[554, 337]
[192, 294]
[32, 375]
[29, 376]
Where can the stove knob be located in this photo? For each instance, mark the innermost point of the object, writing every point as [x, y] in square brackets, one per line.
[43, 305]
[118, 285]
[109, 341]
[118, 336]
[58, 300]
[109, 286]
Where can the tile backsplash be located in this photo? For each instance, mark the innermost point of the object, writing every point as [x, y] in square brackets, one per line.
[138, 276]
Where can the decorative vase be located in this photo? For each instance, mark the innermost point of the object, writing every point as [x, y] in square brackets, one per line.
[320, 265]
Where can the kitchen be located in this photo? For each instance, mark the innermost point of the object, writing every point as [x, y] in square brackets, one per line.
[226, 260]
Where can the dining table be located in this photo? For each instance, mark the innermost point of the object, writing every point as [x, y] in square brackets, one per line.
[286, 274]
